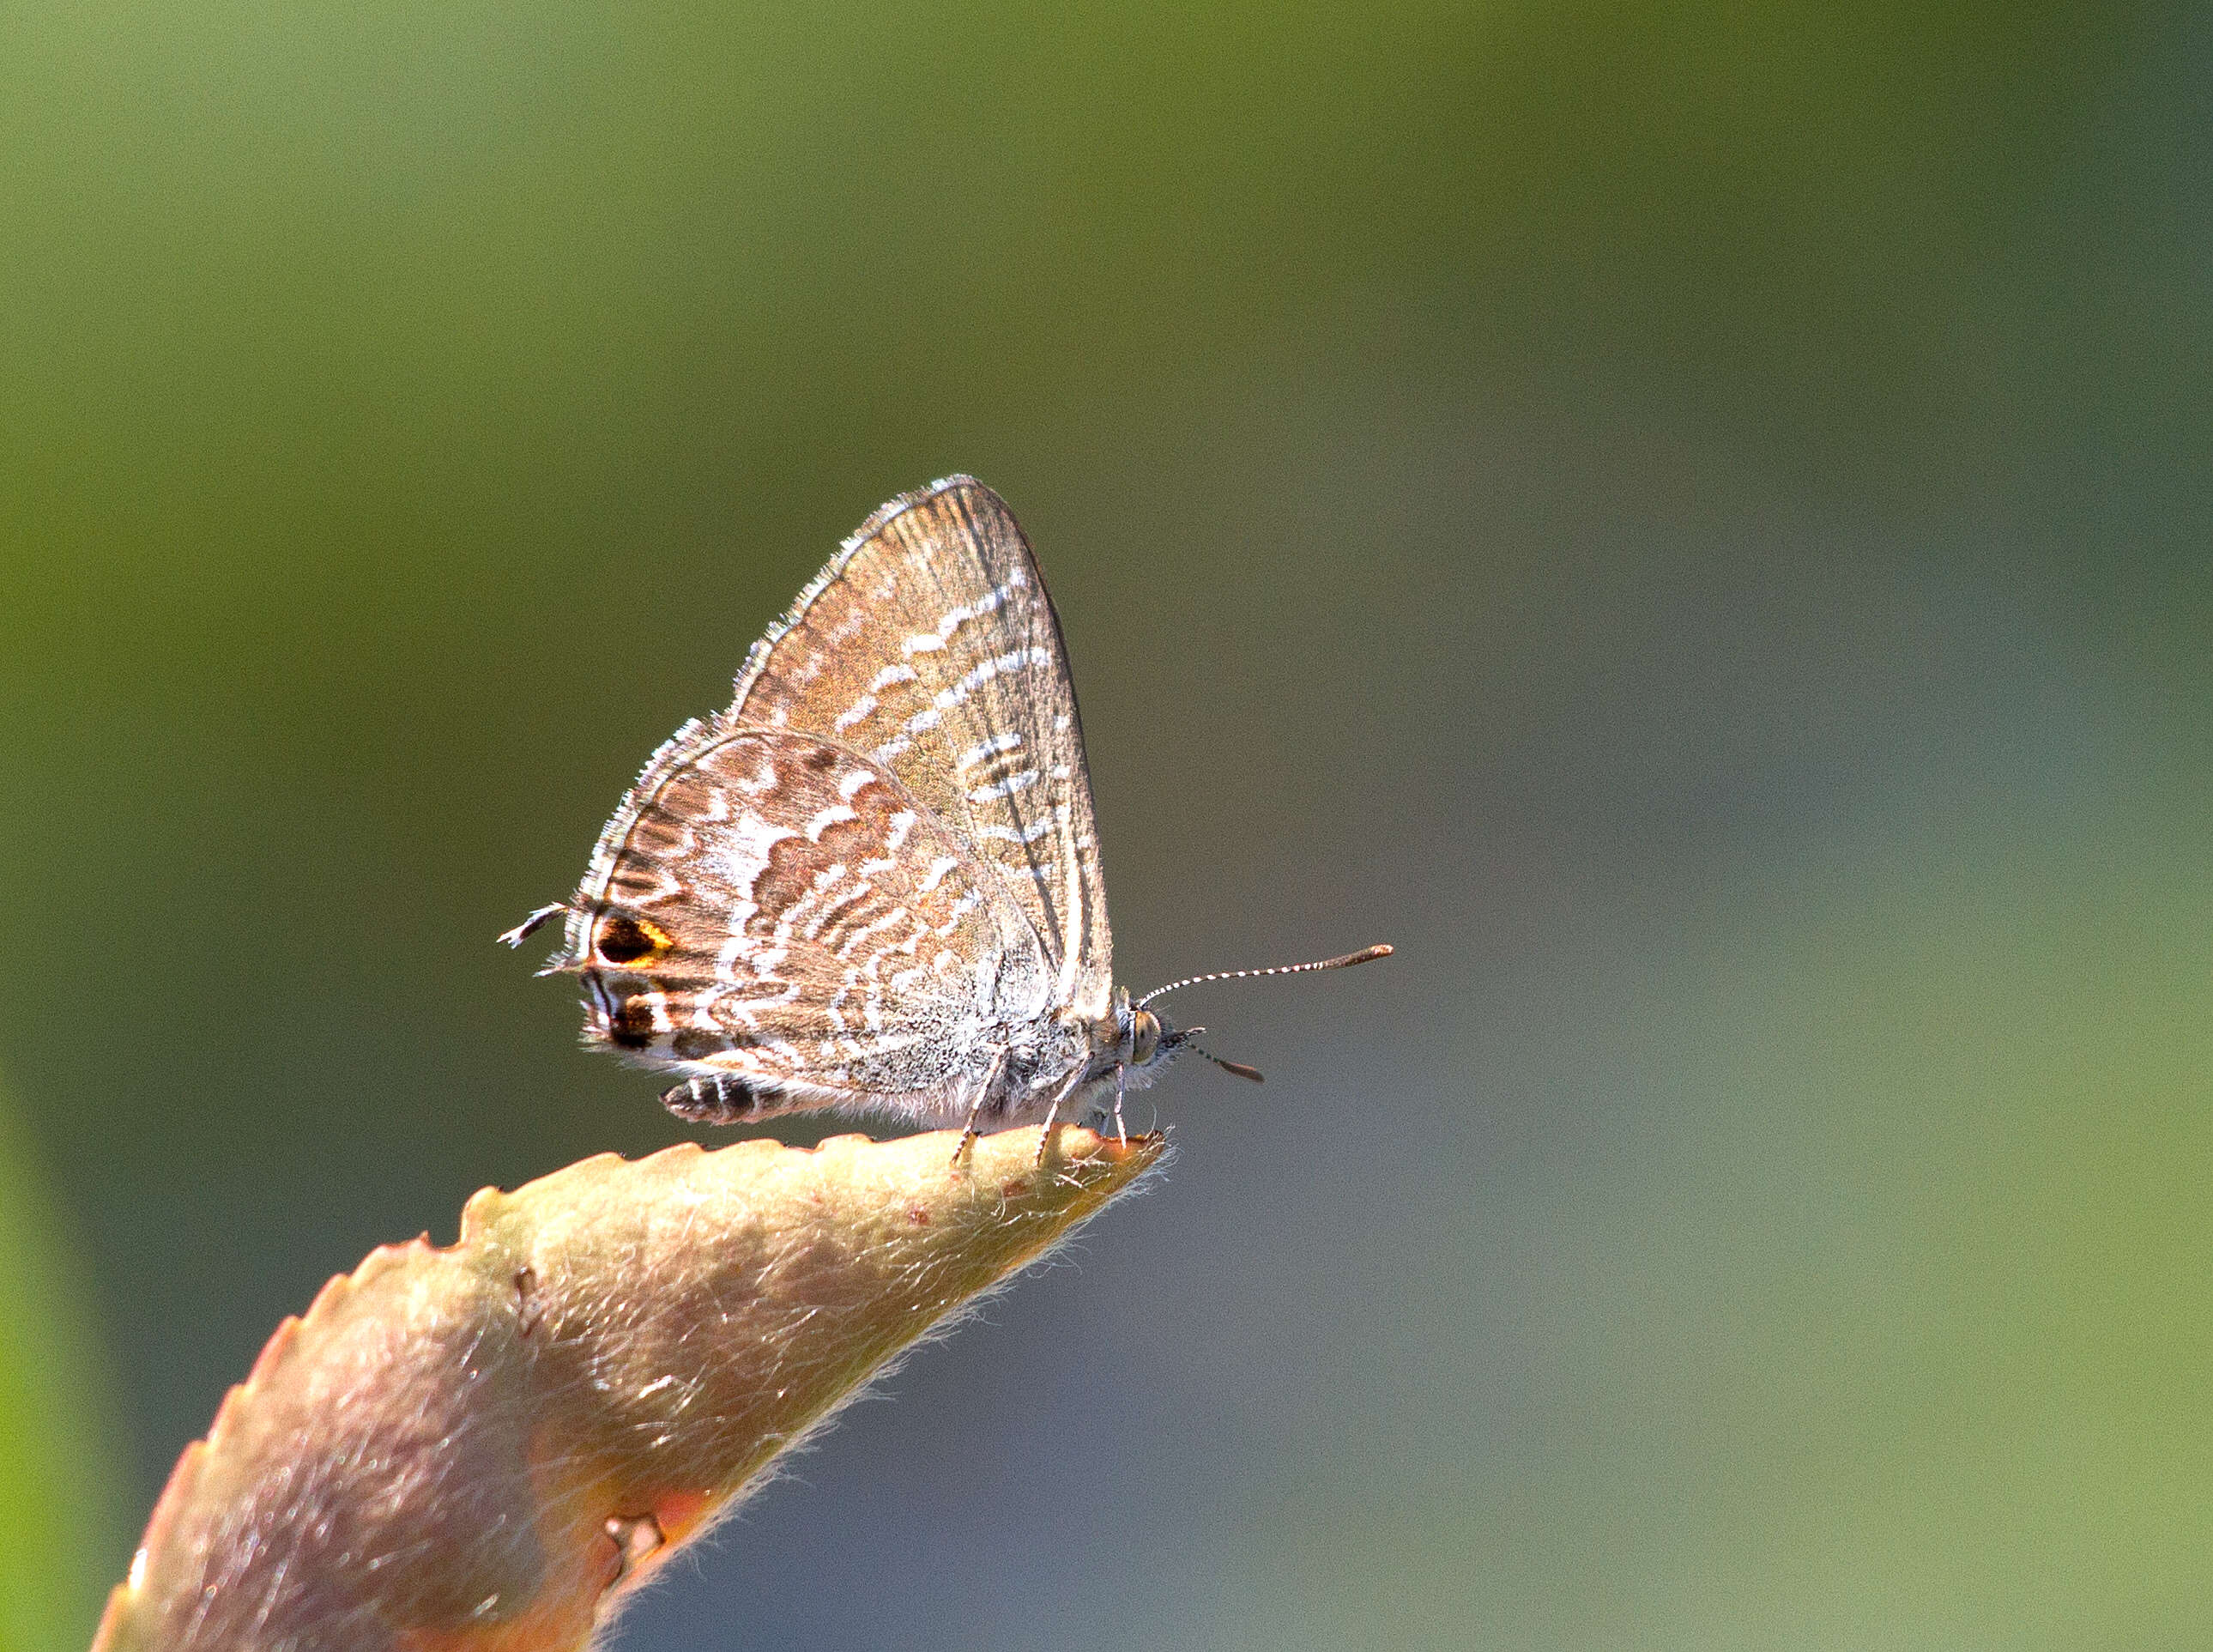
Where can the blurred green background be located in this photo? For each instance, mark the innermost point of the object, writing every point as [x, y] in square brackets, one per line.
[1694, 522]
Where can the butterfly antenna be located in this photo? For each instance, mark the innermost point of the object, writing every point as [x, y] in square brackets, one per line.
[1364, 955]
[1182, 1040]
[1236, 1067]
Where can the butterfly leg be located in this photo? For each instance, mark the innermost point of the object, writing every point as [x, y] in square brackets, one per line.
[1044, 1134]
[968, 1131]
[1121, 1130]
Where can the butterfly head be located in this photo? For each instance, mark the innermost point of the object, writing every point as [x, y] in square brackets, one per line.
[1142, 1038]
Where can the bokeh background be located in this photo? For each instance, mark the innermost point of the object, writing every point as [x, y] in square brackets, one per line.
[1693, 520]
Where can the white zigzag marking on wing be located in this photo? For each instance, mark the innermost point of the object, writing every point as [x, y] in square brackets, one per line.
[947, 698]
[895, 915]
[1014, 782]
[747, 849]
[928, 642]
[960, 909]
[834, 911]
[798, 912]
[984, 670]
[1010, 741]
[1028, 834]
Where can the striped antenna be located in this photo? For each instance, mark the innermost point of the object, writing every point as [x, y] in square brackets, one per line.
[1364, 955]
[1182, 1040]
[1236, 1067]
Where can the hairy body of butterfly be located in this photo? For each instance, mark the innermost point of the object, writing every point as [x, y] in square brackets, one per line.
[873, 883]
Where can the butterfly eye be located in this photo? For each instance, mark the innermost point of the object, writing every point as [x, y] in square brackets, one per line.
[624, 939]
[1144, 1036]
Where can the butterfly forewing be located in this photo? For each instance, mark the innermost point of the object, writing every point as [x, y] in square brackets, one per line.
[930, 646]
[773, 905]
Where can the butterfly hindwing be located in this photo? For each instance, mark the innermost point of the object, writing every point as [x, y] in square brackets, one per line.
[776, 911]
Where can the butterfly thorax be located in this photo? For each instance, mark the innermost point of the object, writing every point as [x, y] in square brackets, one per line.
[1121, 1049]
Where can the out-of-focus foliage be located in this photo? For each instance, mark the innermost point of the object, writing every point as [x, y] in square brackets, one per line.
[61, 1518]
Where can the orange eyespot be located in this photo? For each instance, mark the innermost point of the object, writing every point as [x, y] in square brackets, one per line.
[622, 939]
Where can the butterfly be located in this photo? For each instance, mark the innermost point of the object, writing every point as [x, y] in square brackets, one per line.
[873, 883]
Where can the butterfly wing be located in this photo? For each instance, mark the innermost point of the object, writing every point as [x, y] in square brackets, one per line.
[929, 645]
[771, 909]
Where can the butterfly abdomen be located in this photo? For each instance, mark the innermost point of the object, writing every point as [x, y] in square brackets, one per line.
[724, 1099]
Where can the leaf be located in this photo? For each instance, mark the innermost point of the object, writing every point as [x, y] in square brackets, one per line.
[480, 1449]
